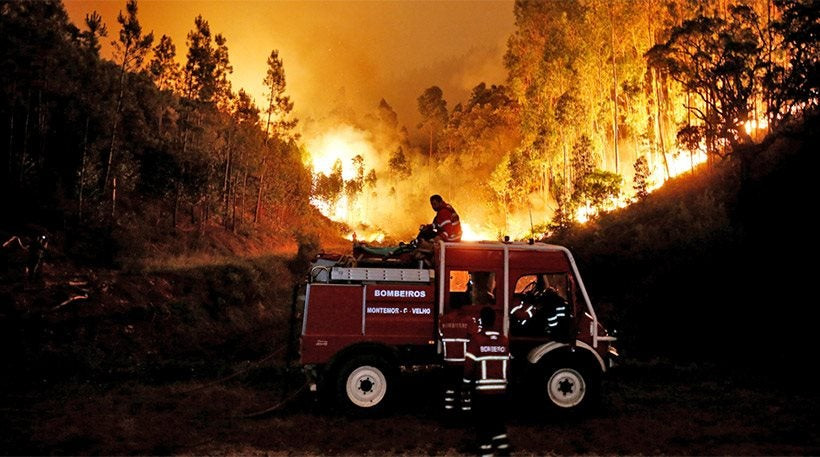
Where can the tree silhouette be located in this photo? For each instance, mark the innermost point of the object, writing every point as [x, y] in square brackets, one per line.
[716, 59]
[130, 51]
[433, 110]
[640, 181]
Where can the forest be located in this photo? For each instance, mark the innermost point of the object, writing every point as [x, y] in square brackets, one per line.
[668, 144]
[603, 102]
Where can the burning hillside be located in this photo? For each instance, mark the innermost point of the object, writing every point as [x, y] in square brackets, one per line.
[380, 190]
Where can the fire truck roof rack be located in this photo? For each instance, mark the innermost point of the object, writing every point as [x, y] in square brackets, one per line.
[381, 274]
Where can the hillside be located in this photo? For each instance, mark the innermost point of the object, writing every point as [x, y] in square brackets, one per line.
[712, 265]
[686, 275]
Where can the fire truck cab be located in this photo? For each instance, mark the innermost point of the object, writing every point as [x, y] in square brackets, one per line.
[363, 324]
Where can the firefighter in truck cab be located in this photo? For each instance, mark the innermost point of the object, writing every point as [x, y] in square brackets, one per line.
[542, 310]
[486, 369]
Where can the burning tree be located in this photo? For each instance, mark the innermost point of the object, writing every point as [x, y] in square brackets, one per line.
[433, 109]
[641, 178]
[719, 61]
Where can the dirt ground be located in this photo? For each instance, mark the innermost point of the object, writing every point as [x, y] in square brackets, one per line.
[648, 408]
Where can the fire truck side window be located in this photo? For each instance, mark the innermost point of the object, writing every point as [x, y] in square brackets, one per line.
[472, 288]
[540, 281]
[531, 305]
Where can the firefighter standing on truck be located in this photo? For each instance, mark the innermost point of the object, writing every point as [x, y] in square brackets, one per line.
[485, 370]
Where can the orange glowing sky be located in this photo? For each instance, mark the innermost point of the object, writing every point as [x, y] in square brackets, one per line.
[364, 50]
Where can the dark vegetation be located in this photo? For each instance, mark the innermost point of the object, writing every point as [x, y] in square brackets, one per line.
[139, 155]
[169, 323]
[716, 264]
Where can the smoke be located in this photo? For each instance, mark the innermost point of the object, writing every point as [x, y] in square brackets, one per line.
[391, 207]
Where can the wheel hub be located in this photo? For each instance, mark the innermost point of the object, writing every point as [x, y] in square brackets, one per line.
[566, 388]
[366, 386]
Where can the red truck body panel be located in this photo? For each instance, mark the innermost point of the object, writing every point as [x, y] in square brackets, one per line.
[340, 315]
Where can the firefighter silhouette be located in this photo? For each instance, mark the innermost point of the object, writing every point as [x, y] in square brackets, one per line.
[486, 371]
[543, 312]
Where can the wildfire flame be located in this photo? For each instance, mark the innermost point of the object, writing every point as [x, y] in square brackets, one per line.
[340, 144]
[470, 233]
[753, 125]
[371, 237]
[344, 145]
[679, 162]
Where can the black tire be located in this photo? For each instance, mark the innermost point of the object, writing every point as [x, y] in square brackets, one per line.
[567, 385]
[366, 385]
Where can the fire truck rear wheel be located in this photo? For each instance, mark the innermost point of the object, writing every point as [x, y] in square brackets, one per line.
[365, 385]
[569, 387]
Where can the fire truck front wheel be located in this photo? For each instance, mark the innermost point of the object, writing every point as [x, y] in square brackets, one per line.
[569, 387]
[365, 385]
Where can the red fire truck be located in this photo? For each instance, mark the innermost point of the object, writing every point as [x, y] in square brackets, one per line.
[363, 322]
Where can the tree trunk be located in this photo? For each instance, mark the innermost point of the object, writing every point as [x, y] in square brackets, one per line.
[242, 197]
[768, 95]
[226, 190]
[661, 142]
[24, 151]
[82, 172]
[113, 199]
[688, 123]
[628, 106]
[566, 170]
[258, 212]
[178, 190]
[614, 90]
[115, 122]
[10, 170]
[177, 194]
[649, 90]
[233, 222]
[42, 124]
[708, 122]
[596, 126]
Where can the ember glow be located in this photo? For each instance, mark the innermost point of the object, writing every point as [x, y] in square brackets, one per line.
[680, 162]
[756, 127]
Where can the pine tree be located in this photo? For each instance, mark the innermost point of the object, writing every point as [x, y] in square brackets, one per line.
[640, 181]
